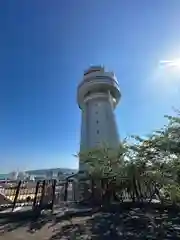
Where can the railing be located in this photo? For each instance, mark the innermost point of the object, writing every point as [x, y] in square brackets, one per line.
[37, 195]
[50, 193]
[95, 79]
[105, 190]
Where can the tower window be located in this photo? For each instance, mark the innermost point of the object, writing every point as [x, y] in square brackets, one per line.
[97, 121]
[96, 112]
[97, 131]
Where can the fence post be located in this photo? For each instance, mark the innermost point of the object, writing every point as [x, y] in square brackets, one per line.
[16, 196]
[42, 195]
[66, 190]
[74, 189]
[53, 194]
[36, 192]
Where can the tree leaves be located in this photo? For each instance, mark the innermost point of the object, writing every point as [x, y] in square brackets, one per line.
[141, 161]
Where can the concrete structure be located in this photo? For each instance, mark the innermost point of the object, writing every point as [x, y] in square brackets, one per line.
[98, 95]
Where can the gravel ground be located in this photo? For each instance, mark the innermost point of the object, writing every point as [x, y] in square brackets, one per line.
[127, 224]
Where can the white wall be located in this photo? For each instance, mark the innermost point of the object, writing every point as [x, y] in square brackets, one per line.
[98, 122]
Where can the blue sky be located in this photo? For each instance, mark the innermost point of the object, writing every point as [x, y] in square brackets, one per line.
[44, 48]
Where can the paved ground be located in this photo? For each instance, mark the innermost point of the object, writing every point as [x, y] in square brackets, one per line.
[127, 224]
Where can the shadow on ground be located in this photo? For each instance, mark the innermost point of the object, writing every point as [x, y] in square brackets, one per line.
[32, 221]
[117, 223]
[129, 224]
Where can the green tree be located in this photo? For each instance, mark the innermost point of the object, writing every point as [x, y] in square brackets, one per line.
[104, 166]
[160, 154]
[142, 166]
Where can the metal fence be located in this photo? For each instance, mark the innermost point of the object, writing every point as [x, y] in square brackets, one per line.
[38, 195]
[100, 190]
[49, 193]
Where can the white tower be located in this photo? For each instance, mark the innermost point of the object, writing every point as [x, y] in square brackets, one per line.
[98, 94]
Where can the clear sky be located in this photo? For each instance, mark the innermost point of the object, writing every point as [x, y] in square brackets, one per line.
[44, 48]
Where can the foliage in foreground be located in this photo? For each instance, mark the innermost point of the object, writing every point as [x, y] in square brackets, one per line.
[147, 167]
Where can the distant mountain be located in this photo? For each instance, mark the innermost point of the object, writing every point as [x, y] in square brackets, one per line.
[3, 176]
[54, 170]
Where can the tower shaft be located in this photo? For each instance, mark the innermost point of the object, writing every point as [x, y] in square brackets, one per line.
[98, 95]
[98, 122]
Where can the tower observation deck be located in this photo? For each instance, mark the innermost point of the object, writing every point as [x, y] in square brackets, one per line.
[97, 96]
